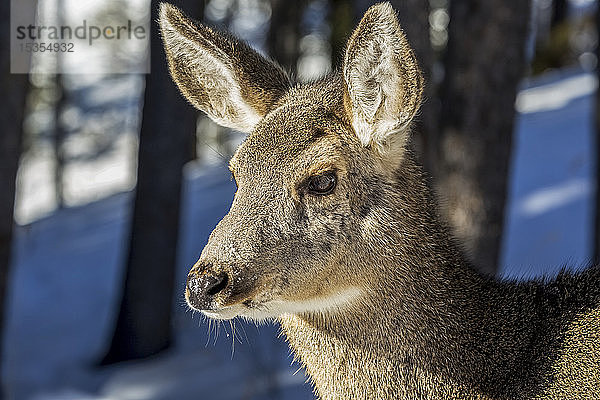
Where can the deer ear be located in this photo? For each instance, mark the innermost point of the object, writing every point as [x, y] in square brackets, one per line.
[218, 73]
[383, 81]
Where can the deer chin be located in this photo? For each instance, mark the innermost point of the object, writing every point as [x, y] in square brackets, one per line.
[246, 310]
[250, 309]
[270, 309]
[331, 302]
[224, 313]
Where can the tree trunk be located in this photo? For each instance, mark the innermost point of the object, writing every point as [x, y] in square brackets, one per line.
[13, 89]
[559, 12]
[59, 134]
[143, 326]
[284, 33]
[485, 61]
[58, 139]
[344, 15]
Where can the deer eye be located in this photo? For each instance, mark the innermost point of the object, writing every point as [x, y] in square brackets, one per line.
[322, 184]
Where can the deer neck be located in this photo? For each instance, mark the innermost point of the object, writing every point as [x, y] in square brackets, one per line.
[424, 331]
[387, 344]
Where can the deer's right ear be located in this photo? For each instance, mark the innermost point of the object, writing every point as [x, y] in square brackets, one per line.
[218, 73]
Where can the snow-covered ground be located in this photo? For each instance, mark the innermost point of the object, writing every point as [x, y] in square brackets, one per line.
[550, 210]
[68, 267]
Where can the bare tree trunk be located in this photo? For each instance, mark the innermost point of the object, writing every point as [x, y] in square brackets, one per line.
[559, 12]
[168, 124]
[59, 133]
[58, 138]
[284, 33]
[344, 15]
[13, 89]
[485, 61]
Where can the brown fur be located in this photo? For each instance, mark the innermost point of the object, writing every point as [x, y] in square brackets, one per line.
[374, 296]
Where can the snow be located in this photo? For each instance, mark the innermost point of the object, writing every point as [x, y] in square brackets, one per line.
[550, 208]
[67, 271]
[546, 199]
[64, 290]
[556, 95]
[100, 151]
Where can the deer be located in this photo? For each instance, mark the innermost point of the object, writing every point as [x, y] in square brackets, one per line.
[334, 234]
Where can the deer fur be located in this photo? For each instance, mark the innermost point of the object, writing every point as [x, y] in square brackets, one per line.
[374, 296]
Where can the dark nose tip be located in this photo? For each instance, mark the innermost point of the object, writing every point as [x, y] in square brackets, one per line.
[203, 285]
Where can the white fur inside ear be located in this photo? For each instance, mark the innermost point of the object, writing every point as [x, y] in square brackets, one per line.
[373, 80]
[225, 103]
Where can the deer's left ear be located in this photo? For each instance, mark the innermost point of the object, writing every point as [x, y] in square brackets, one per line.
[219, 74]
[383, 81]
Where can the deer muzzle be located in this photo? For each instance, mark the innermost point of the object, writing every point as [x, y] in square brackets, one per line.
[204, 283]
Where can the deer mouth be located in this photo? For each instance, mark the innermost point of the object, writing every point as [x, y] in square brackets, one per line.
[227, 312]
[248, 309]
[221, 293]
[219, 308]
[229, 303]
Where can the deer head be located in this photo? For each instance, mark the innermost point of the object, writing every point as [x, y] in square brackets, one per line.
[317, 200]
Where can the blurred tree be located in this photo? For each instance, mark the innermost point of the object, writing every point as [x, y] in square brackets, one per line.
[484, 62]
[167, 140]
[554, 46]
[59, 133]
[283, 38]
[559, 12]
[13, 88]
[58, 137]
[344, 15]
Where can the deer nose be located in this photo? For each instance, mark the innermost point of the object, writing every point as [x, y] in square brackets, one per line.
[203, 285]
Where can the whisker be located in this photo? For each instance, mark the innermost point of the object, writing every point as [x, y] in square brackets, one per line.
[209, 332]
[245, 334]
[218, 327]
[231, 324]
[205, 142]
